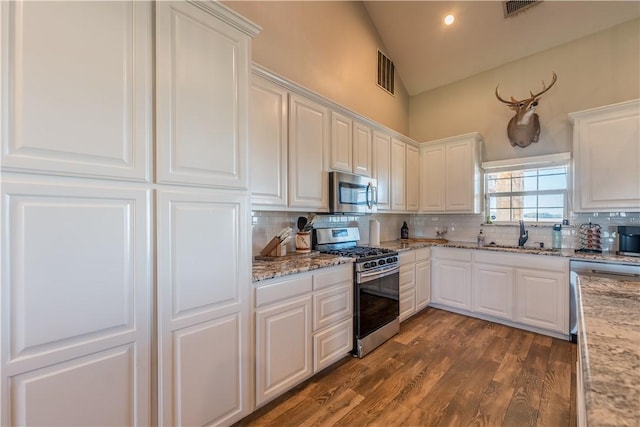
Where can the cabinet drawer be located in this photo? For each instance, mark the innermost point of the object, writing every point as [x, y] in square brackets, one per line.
[407, 276]
[332, 305]
[279, 290]
[332, 344]
[452, 253]
[407, 257]
[333, 276]
[423, 254]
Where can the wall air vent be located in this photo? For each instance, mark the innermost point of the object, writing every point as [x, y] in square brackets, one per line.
[514, 7]
[386, 73]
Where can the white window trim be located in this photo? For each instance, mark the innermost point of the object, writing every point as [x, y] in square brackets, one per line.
[533, 162]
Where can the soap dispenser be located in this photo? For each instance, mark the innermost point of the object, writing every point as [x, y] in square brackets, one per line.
[404, 231]
[480, 239]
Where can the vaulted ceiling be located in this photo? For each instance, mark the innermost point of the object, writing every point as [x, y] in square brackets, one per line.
[428, 54]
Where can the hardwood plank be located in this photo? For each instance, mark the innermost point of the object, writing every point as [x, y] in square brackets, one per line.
[493, 405]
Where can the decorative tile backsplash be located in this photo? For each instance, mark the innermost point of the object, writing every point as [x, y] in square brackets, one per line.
[462, 228]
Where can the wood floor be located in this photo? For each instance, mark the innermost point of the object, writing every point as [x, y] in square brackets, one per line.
[443, 369]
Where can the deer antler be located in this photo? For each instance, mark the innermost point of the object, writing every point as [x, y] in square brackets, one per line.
[544, 87]
[512, 102]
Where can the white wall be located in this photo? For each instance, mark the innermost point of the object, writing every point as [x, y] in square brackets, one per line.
[600, 69]
[329, 47]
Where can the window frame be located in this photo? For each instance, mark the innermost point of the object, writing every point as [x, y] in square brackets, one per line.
[560, 160]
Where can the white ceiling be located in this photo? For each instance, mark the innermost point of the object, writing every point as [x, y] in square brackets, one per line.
[428, 54]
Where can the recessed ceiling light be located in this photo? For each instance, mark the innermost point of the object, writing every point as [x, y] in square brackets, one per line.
[448, 20]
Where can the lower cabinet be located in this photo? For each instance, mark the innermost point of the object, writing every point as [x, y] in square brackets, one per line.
[407, 284]
[493, 290]
[529, 291]
[304, 323]
[452, 278]
[423, 278]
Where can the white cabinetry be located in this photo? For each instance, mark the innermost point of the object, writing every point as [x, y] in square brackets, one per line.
[493, 290]
[283, 336]
[521, 290]
[304, 323]
[76, 284]
[362, 149]
[398, 170]
[77, 88]
[606, 150]
[202, 77]
[450, 178]
[407, 279]
[309, 125]
[382, 168]
[452, 278]
[542, 299]
[341, 143]
[412, 180]
[268, 143]
[423, 278]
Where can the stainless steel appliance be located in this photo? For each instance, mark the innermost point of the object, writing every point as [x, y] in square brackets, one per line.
[629, 272]
[376, 286]
[628, 240]
[353, 194]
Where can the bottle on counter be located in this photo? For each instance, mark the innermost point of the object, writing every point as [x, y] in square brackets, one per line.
[404, 231]
[556, 236]
[480, 239]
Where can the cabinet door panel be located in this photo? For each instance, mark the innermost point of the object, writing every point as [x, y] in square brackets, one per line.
[332, 305]
[76, 281]
[269, 110]
[283, 347]
[398, 171]
[542, 299]
[207, 389]
[432, 178]
[423, 284]
[493, 290]
[362, 149]
[80, 86]
[459, 168]
[308, 152]
[453, 284]
[201, 97]
[341, 143]
[382, 168]
[412, 179]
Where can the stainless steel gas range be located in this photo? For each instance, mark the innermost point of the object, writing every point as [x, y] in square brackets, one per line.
[376, 286]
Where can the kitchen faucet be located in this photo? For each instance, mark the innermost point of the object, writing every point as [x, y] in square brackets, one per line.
[524, 235]
[440, 234]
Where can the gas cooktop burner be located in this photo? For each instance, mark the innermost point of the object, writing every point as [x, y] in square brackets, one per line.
[361, 252]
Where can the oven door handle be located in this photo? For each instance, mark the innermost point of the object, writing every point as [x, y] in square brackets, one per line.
[373, 275]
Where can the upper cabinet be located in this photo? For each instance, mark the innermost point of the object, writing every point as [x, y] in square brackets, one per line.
[606, 152]
[309, 124]
[362, 152]
[202, 75]
[268, 144]
[77, 93]
[412, 178]
[341, 142]
[450, 180]
[382, 168]
[398, 170]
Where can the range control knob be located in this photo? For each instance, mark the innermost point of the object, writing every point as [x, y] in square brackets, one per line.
[381, 262]
[367, 265]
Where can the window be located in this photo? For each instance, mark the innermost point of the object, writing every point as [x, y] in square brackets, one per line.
[530, 192]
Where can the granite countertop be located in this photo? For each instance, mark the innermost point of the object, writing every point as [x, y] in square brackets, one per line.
[609, 340]
[278, 267]
[609, 257]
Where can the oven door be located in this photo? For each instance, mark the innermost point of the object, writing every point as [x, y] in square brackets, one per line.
[352, 193]
[376, 302]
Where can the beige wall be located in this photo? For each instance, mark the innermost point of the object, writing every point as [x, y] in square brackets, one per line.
[329, 48]
[596, 70]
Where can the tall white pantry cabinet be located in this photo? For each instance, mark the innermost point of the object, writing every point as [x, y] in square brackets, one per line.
[125, 214]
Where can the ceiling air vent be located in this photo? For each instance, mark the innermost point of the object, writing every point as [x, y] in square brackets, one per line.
[512, 8]
[386, 73]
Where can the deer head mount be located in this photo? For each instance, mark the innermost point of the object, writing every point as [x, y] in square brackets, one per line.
[524, 127]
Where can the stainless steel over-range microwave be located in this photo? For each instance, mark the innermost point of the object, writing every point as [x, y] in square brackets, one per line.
[352, 194]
